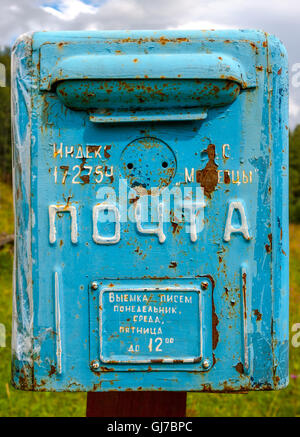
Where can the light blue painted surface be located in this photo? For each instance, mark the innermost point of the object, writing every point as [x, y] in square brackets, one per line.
[238, 324]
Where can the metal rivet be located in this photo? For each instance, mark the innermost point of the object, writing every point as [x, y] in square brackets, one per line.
[94, 285]
[205, 364]
[95, 364]
[204, 285]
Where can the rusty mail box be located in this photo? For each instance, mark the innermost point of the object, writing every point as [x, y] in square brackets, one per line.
[151, 197]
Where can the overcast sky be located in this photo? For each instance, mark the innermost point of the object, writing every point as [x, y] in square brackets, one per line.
[280, 17]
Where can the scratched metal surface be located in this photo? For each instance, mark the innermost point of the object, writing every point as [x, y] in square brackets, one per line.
[158, 109]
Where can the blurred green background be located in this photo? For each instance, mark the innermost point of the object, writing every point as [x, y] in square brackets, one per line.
[16, 403]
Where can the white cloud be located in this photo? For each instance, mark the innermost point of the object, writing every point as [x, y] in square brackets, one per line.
[272, 15]
[70, 9]
[14, 8]
[196, 25]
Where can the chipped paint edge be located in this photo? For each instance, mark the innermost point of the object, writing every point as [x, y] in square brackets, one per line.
[22, 318]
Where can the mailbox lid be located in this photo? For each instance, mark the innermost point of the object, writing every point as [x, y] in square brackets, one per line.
[53, 330]
[95, 74]
[125, 55]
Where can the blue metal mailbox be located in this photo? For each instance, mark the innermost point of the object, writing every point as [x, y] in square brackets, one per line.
[151, 199]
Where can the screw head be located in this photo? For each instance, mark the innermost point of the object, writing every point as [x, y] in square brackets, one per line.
[206, 364]
[95, 364]
[204, 285]
[94, 285]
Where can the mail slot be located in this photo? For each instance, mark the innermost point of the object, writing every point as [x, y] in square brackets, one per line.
[151, 204]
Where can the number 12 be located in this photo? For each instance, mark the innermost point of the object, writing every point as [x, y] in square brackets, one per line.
[157, 340]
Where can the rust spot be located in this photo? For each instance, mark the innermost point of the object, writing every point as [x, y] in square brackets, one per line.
[63, 93]
[239, 368]
[163, 40]
[52, 370]
[175, 228]
[276, 380]
[259, 68]
[93, 149]
[173, 265]
[25, 377]
[269, 246]
[85, 179]
[204, 285]
[106, 148]
[135, 60]
[133, 200]
[214, 359]
[244, 278]
[182, 40]
[254, 47]
[244, 290]
[206, 388]
[265, 44]
[279, 71]
[215, 322]
[229, 85]
[258, 315]
[226, 177]
[208, 177]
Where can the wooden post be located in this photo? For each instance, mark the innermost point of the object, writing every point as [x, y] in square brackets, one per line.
[136, 404]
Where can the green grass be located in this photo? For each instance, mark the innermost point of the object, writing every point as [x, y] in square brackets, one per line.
[17, 403]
